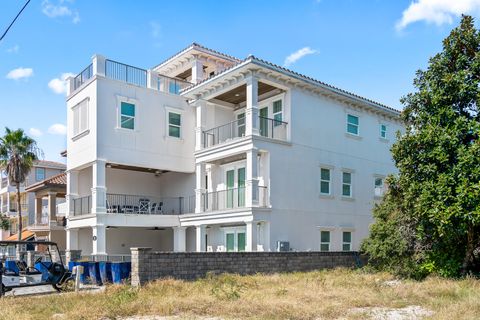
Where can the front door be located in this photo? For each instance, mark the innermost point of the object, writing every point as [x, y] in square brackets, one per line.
[264, 122]
[241, 186]
[235, 241]
[235, 187]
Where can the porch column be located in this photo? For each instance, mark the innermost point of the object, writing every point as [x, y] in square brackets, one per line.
[99, 191]
[200, 186]
[199, 126]
[200, 238]
[251, 110]
[71, 243]
[179, 239]
[52, 207]
[250, 236]
[251, 183]
[72, 190]
[266, 236]
[38, 210]
[99, 238]
[197, 70]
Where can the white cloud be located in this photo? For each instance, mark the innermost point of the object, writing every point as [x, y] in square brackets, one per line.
[13, 49]
[297, 55]
[60, 9]
[20, 73]
[59, 85]
[34, 132]
[436, 11]
[58, 128]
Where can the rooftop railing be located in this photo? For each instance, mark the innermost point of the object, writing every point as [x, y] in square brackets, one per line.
[126, 73]
[83, 76]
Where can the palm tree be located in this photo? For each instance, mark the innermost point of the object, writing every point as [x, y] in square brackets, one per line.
[17, 154]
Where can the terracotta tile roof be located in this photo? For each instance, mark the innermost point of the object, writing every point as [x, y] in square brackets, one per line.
[58, 180]
[284, 70]
[47, 163]
[25, 235]
[196, 45]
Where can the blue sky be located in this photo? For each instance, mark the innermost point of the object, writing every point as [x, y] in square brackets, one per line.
[369, 47]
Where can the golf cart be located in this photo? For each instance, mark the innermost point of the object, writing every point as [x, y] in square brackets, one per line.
[45, 266]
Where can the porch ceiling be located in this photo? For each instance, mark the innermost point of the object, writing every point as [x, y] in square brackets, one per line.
[133, 168]
[239, 94]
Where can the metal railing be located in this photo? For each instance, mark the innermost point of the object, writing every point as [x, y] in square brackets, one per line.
[82, 205]
[83, 76]
[271, 128]
[171, 85]
[233, 198]
[122, 203]
[126, 73]
[224, 133]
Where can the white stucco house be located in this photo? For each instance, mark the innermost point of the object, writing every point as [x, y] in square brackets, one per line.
[207, 152]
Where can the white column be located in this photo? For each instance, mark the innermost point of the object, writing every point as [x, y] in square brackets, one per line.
[152, 80]
[266, 236]
[52, 207]
[70, 85]
[72, 190]
[197, 71]
[99, 239]
[38, 210]
[179, 239]
[72, 239]
[251, 111]
[199, 187]
[251, 236]
[200, 238]
[251, 183]
[99, 190]
[199, 127]
[98, 65]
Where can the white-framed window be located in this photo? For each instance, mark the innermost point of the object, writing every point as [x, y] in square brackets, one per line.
[346, 241]
[127, 115]
[277, 112]
[383, 131]
[353, 124]
[379, 187]
[80, 118]
[346, 184]
[235, 239]
[325, 181]
[39, 174]
[324, 240]
[174, 124]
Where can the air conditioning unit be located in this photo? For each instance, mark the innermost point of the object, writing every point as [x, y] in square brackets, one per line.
[283, 246]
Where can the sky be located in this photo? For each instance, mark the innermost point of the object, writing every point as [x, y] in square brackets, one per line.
[370, 47]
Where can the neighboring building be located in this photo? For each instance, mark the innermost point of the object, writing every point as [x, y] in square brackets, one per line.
[206, 152]
[41, 170]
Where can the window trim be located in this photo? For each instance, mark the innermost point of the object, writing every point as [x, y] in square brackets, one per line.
[178, 111]
[329, 243]
[383, 131]
[330, 182]
[277, 122]
[81, 133]
[350, 244]
[349, 184]
[36, 174]
[347, 123]
[118, 126]
[375, 177]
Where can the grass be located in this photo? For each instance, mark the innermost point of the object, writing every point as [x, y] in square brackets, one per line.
[328, 294]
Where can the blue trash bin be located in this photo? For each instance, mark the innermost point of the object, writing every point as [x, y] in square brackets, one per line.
[84, 277]
[126, 269]
[105, 272]
[116, 272]
[43, 268]
[94, 272]
[11, 266]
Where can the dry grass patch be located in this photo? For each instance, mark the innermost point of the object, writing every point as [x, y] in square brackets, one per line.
[333, 294]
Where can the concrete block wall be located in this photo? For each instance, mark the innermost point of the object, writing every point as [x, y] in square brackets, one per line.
[148, 265]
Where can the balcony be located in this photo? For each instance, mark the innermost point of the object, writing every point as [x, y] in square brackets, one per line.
[269, 128]
[128, 74]
[134, 204]
[232, 199]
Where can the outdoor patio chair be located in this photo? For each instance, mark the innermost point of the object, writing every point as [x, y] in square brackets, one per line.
[144, 205]
[111, 209]
[153, 207]
[160, 207]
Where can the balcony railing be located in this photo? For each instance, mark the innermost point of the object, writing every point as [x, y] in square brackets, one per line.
[83, 76]
[270, 128]
[170, 85]
[126, 73]
[82, 205]
[121, 203]
[14, 207]
[232, 199]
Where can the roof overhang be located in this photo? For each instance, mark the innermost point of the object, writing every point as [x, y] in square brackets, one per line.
[281, 78]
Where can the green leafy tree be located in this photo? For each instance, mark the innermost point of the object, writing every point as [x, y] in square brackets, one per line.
[429, 221]
[17, 154]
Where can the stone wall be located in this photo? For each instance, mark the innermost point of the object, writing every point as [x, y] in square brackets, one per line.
[148, 265]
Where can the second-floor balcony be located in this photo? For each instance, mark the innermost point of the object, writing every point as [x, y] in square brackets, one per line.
[233, 198]
[128, 74]
[136, 204]
[269, 128]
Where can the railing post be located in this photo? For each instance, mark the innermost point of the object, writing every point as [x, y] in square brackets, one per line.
[98, 65]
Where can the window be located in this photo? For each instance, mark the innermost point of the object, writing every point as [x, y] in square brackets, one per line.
[352, 124]
[346, 184]
[80, 117]
[277, 112]
[383, 131]
[241, 124]
[325, 181]
[235, 241]
[324, 240]
[174, 124]
[378, 187]
[39, 174]
[347, 241]
[127, 115]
